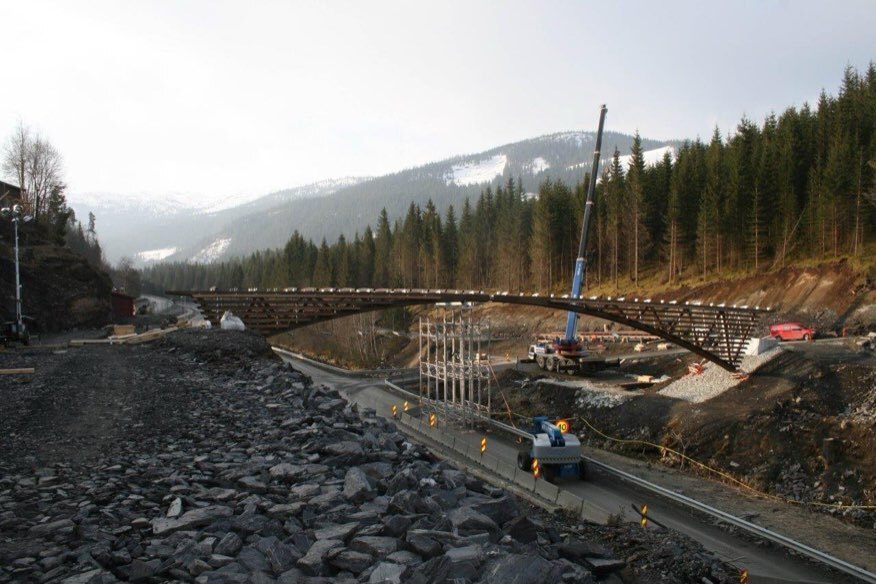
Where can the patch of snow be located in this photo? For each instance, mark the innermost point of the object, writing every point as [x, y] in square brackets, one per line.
[317, 189]
[538, 164]
[529, 196]
[577, 137]
[103, 204]
[212, 252]
[228, 203]
[482, 171]
[652, 157]
[156, 255]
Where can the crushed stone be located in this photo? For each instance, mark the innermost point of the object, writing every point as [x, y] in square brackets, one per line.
[714, 380]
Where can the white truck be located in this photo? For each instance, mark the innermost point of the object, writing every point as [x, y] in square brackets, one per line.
[554, 356]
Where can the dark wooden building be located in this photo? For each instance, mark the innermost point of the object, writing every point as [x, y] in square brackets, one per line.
[123, 305]
[9, 194]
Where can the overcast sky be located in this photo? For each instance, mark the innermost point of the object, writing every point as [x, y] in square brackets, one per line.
[216, 98]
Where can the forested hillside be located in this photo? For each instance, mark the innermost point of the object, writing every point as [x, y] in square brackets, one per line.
[241, 231]
[796, 186]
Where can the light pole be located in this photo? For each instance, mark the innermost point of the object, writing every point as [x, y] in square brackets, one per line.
[16, 215]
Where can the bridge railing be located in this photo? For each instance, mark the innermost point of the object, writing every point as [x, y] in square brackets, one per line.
[716, 332]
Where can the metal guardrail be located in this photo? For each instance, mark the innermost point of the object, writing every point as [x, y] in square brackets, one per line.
[499, 425]
[767, 534]
[718, 333]
[331, 368]
[570, 501]
[778, 538]
[511, 477]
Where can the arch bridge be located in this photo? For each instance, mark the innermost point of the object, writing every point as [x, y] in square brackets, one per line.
[717, 333]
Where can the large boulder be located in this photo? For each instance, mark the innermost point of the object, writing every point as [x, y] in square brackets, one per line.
[374, 545]
[521, 569]
[468, 521]
[356, 486]
[190, 519]
[313, 562]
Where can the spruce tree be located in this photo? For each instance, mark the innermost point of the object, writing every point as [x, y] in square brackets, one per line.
[635, 197]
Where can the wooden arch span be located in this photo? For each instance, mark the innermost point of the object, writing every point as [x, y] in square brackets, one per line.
[717, 333]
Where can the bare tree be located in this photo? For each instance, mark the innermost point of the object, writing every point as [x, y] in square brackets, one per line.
[44, 173]
[15, 154]
[126, 277]
[36, 164]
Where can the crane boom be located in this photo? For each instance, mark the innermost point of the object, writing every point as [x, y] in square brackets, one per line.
[580, 263]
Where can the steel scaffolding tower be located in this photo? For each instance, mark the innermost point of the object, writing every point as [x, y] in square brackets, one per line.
[455, 371]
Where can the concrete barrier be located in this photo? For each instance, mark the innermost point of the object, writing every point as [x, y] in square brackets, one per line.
[526, 481]
[545, 490]
[493, 464]
[507, 472]
[570, 501]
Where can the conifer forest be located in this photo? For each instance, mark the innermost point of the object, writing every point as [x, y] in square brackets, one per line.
[794, 187]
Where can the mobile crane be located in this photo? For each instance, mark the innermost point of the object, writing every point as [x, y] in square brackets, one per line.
[567, 353]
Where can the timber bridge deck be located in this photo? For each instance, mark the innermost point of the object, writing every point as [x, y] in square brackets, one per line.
[718, 333]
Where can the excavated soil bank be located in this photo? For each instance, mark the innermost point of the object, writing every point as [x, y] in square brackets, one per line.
[800, 428]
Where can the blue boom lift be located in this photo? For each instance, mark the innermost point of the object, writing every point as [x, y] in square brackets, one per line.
[558, 453]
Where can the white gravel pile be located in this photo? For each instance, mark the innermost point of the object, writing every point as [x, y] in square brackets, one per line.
[590, 395]
[600, 399]
[714, 380]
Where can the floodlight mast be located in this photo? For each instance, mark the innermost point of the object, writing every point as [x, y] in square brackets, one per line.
[16, 214]
[17, 279]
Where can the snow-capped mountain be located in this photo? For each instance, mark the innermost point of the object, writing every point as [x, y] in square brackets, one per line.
[151, 228]
[171, 230]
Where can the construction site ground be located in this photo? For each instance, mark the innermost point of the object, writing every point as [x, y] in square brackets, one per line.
[801, 429]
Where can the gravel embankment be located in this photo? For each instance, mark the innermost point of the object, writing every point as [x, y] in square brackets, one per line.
[202, 458]
[714, 381]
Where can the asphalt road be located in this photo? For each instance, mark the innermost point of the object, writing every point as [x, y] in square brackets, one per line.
[605, 494]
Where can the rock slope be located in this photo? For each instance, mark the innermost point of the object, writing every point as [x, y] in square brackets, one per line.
[250, 473]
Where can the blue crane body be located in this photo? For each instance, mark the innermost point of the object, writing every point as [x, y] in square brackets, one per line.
[566, 353]
[581, 262]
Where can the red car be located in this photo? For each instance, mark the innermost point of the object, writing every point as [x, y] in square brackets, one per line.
[791, 331]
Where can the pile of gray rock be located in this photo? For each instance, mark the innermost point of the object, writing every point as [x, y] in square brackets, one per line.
[274, 479]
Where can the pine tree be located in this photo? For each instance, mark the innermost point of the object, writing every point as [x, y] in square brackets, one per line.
[541, 239]
[707, 222]
[322, 271]
[366, 259]
[343, 270]
[614, 194]
[431, 245]
[635, 197]
[467, 271]
[383, 245]
[450, 245]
